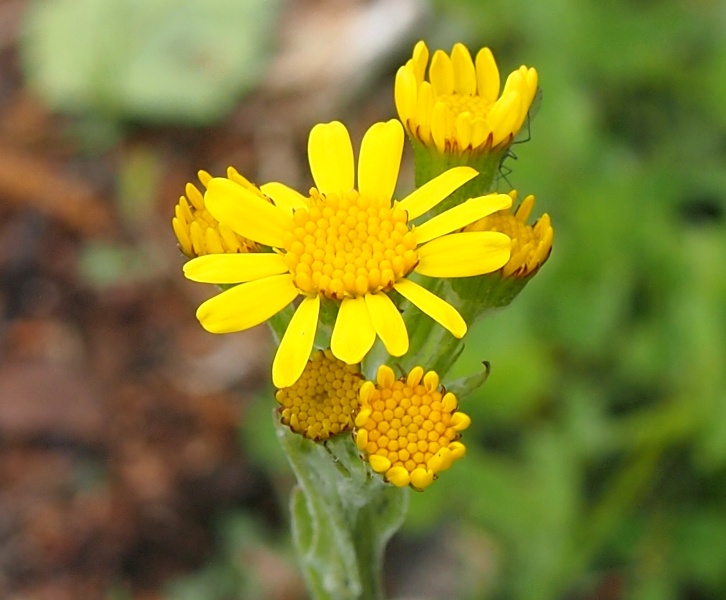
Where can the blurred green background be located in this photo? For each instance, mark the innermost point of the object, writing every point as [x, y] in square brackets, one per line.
[596, 465]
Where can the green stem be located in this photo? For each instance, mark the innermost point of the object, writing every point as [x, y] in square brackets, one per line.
[342, 516]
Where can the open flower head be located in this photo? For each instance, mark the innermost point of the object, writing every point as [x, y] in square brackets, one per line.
[460, 108]
[408, 429]
[198, 232]
[346, 244]
[321, 403]
[531, 244]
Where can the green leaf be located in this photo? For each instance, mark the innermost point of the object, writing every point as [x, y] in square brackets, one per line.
[162, 61]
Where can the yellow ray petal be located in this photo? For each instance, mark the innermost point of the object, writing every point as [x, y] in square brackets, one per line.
[516, 82]
[441, 73]
[380, 159]
[246, 213]
[232, 242]
[419, 60]
[439, 125]
[432, 192]
[234, 268]
[213, 242]
[284, 197]
[439, 310]
[184, 211]
[388, 323]
[487, 75]
[204, 177]
[463, 127]
[524, 209]
[296, 344]
[531, 79]
[505, 113]
[464, 254]
[424, 108]
[464, 72]
[195, 196]
[353, 333]
[405, 93]
[247, 304]
[461, 216]
[479, 133]
[197, 236]
[330, 153]
[182, 235]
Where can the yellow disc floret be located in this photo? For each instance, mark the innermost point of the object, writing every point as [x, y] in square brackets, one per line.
[531, 244]
[408, 429]
[198, 232]
[321, 403]
[348, 245]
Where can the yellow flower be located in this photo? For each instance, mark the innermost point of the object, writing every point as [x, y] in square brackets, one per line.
[198, 232]
[531, 244]
[321, 403]
[460, 108]
[409, 429]
[345, 244]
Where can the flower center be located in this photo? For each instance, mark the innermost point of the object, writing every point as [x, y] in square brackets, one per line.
[409, 429]
[349, 245]
[456, 104]
[321, 403]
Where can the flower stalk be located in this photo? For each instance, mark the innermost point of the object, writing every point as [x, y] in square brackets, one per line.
[342, 517]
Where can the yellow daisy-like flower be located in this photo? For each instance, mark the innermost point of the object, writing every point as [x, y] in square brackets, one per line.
[321, 403]
[346, 244]
[531, 244]
[459, 109]
[409, 429]
[198, 232]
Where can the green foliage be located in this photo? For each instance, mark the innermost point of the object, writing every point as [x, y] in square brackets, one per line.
[163, 61]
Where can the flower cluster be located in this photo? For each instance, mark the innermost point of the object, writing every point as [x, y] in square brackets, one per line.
[460, 108]
[350, 265]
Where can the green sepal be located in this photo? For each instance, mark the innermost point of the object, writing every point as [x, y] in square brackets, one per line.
[474, 296]
[343, 515]
[468, 384]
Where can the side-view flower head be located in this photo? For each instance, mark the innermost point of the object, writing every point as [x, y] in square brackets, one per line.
[460, 108]
[531, 244]
[346, 244]
[322, 402]
[198, 232]
[409, 428]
